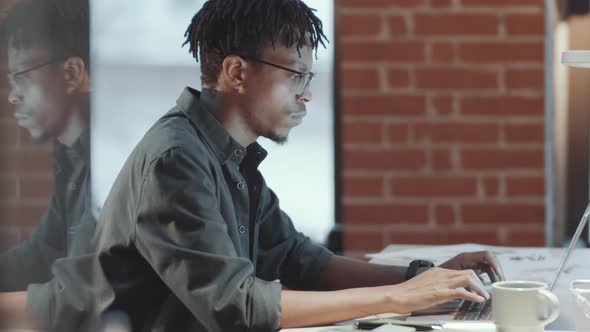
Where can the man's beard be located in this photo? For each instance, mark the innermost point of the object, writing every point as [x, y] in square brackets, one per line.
[267, 133]
[280, 140]
[40, 138]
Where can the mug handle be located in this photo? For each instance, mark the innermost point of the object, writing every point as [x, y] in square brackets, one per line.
[554, 305]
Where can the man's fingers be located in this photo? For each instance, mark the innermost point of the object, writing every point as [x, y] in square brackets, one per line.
[486, 262]
[476, 286]
[469, 296]
[487, 269]
[468, 279]
[495, 264]
[458, 293]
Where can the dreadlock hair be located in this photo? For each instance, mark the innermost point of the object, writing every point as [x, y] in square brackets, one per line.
[61, 26]
[246, 27]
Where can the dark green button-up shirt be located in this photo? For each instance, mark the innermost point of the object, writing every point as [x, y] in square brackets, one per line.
[190, 237]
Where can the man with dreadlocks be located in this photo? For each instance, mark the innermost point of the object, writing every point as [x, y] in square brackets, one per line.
[192, 239]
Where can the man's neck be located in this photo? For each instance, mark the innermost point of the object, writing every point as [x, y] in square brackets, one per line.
[73, 128]
[229, 114]
[78, 119]
[235, 126]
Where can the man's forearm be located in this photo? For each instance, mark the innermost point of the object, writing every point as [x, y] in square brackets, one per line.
[343, 273]
[13, 311]
[318, 308]
[428, 289]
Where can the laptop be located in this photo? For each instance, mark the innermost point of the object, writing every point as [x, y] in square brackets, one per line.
[466, 310]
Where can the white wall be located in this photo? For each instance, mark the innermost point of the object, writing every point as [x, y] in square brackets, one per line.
[139, 69]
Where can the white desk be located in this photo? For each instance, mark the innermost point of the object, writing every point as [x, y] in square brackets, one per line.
[351, 329]
[519, 263]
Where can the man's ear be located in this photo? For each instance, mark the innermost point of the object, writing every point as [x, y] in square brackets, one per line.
[76, 75]
[232, 71]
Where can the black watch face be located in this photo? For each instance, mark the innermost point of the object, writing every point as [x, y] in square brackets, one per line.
[424, 263]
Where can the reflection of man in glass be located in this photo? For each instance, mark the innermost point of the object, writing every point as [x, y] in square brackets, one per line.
[192, 239]
[48, 53]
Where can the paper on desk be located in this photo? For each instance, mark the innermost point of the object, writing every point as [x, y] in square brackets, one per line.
[436, 254]
[525, 263]
[394, 328]
[469, 326]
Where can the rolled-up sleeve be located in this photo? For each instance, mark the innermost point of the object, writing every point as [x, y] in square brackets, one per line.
[284, 253]
[181, 233]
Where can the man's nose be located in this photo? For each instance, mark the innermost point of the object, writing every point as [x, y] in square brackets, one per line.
[306, 96]
[14, 97]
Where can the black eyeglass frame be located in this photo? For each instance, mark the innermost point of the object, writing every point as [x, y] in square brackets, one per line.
[12, 76]
[308, 76]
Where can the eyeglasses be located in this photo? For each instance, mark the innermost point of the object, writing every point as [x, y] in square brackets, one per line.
[13, 76]
[302, 80]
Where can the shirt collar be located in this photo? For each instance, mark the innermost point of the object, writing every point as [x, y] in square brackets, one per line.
[255, 155]
[78, 152]
[199, 108]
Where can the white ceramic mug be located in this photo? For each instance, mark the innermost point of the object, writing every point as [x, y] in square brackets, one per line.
[520, 306]
[580, 290]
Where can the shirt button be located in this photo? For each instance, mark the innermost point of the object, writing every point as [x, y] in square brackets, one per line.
[241, 185]
[242, 229]
[238, 152]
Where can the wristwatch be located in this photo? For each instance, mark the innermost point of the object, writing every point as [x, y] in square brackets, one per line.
[415, 265]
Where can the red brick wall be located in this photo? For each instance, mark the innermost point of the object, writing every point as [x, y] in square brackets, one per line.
[442, 108]
[25, 169]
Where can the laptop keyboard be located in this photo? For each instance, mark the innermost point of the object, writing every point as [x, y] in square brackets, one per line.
[475, 311]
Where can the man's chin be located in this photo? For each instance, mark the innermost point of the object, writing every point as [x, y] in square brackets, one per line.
[39, 138]
[278, 138]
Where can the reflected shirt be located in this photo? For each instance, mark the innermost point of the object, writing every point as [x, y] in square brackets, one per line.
[68, 216]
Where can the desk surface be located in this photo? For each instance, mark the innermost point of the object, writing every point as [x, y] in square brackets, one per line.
[351, 329]
[519, 263]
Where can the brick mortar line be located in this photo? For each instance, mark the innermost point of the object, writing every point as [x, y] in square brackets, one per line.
[399, 119]
[422, 146]
[383, 134]
[442, 120]
[462, 10]
[390, 177]
[30, 148]
[472, 39]
[422, 227]
[414, 67]
[427, 200]
[510, 172]
[387, 187]
[3, 172]
[524, 173]
[444, 65]
[24, 203]
[383, 80]
[401, 147]
[482, 93]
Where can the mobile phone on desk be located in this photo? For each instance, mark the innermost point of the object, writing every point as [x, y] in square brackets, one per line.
[375, 323]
